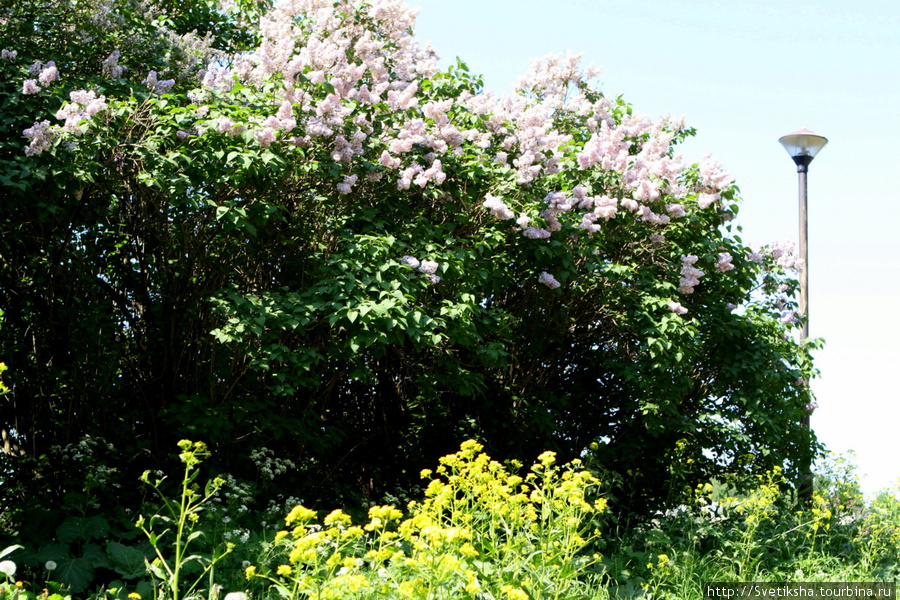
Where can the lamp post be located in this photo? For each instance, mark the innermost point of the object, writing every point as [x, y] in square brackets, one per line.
[803, 146]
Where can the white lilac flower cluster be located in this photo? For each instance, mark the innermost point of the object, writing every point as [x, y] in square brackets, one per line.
[788, 314]
[498, 207]
[41, 135]
[428, 268]
[788, 317]
[84, 106]
[723, 262]
[548, 280]
[9, 55]
[346, 186]
[713, 180]
[690, 275]
[157, 86]
[784, 253]
[111, 68]
[677, 308]
[45, 74]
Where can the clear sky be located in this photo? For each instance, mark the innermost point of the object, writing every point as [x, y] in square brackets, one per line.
[744, 73]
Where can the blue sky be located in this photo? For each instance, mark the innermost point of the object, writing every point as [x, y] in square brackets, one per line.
[744, 73]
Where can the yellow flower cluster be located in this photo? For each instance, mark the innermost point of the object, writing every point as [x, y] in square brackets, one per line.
[299, 514]
[3, 388]
[474, 509]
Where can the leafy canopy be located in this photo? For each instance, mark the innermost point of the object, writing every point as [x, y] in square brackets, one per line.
[283, 226]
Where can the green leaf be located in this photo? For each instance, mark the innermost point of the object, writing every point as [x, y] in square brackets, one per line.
[75, 572]
[78, 528]
[127, 561]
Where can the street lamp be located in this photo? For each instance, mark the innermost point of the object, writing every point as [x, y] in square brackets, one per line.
[803, 146]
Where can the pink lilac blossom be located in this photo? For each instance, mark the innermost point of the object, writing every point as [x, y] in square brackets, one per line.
[497, 207]
[630, 204]
[429, 267]
[346, 186]
[536, 233]
[265, 136]
[110, 67]
[226, 125]
[389, 161]
[410, 261]
[155, 85]
[30, 86]
[788, 317]
[588, 224]
[713, 176]
[723, 263]
[605, 207]
[554, 74]
[690, 275]
[706, 200]
[553, 223]
[677, 308]
[432, 173]
[48, 75]
[307, 44]
[94, 106]
[784, 254]
[83, 107]
[41, 135]
[676, 211]
[548, 280]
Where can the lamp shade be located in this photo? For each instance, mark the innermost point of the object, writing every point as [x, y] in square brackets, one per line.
[803, 143]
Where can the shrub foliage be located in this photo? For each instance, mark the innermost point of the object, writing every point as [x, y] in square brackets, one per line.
[280, 225]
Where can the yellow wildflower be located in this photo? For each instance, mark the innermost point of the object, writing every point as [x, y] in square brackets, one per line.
[513, 593]
[337, 517]
[299, 513]
[547, 458]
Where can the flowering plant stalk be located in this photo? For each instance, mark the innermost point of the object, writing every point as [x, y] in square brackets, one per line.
[181, 519]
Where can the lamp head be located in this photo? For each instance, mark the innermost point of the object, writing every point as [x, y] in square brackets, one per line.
[803, 146]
